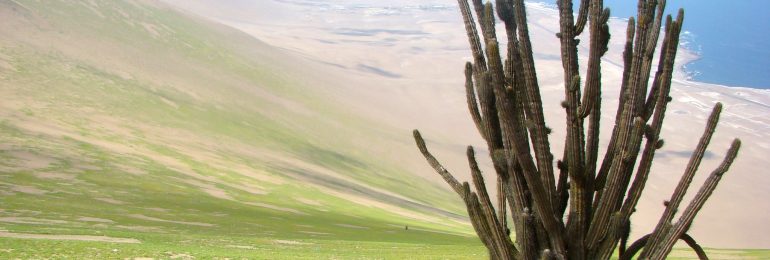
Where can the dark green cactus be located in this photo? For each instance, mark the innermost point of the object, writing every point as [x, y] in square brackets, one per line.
[504, 100]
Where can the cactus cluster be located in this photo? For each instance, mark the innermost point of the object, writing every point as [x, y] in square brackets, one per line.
[579, 207]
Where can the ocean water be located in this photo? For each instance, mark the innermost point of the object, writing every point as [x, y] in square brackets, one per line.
[731, 38]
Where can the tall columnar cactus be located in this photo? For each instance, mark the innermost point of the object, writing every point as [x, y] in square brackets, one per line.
[601, 193]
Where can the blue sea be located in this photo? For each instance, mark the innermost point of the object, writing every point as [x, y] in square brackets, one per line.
[732, 38]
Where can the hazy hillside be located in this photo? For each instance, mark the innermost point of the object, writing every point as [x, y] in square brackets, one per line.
[131, 120]
[410, 56]
[131, 128]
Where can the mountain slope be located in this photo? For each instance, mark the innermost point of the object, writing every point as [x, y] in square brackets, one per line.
[128, 129]
[410, 56]
[128, 119]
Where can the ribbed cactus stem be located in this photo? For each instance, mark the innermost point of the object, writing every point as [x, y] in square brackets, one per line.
[639, 244]
[473, 106]
[500, 238]
[663, 248]
[437, 165]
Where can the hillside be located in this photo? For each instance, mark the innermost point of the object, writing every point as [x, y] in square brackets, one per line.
[281, 130]
[129, 120]
[410, 56]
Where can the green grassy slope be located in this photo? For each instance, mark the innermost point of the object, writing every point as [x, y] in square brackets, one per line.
[126, 119]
